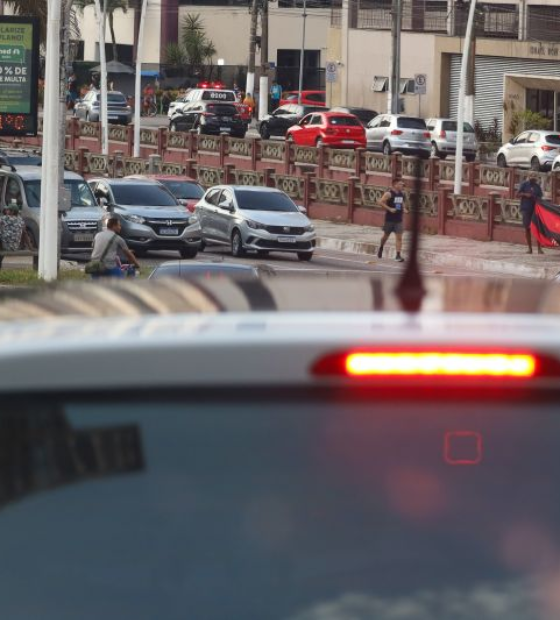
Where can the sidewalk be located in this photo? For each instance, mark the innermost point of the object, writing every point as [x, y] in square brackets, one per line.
[491, 257]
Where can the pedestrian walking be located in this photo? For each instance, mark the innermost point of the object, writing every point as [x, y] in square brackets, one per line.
[393, 201]
[250, 103]
[275, 95]
[105, 254]
[529, 191]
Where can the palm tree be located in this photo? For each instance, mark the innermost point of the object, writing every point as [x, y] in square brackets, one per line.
[195, 48]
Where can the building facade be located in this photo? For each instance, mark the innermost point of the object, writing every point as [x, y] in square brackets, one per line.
[517, 62]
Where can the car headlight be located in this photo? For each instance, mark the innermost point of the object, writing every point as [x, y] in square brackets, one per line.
[135, 219]
[193, 219]
[309, 228]
[255, 225]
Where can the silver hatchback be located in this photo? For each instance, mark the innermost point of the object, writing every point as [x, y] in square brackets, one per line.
[118, 110]
[397, 132]
[443, 137]
[535, 149]
[262, 219]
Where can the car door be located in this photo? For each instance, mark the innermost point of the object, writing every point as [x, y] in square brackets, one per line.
[314, 130]
[300, 131]
[224, 215]
[278, 123]
[206, 210]
[517, 147]
[373, 132]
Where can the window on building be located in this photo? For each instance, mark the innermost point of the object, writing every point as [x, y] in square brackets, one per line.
[491, 21]
[380, 84]
[543, 23]
[372, 14]
[406, 86]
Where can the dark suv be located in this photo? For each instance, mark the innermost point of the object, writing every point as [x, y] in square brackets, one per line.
[209, 117]
[277, 123]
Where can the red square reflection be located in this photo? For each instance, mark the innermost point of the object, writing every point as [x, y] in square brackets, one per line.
[462, 448]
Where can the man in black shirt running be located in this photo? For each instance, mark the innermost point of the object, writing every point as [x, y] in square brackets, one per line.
[393, 202]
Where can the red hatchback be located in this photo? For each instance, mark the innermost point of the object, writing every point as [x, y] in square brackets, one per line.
[308, 97]
[328, 128]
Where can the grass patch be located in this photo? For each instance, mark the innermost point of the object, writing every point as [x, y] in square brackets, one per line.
[28, 277]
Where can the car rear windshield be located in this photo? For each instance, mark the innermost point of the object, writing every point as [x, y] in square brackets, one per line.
[222, 110]
[347, 121]
[116, 98]
[80, 193]
[143, 195]
[411, 123]
[266, 507]
[184, 189]
[264, 201]
[554, 139]
[452, 126]
[218, 95]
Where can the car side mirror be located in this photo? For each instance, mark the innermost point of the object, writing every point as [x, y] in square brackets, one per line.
[302, 209]
[102, 201]
[227, 205]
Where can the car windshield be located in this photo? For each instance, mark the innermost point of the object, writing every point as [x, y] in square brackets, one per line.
[554, 139]
[452, 126]
[80, 193]
[143, 195]
[411, 123]
[347, 121]
[264, 201]
[183, 189]
[289, 509]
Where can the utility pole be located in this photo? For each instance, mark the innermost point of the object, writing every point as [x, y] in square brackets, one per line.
[457, 188]
[250, 84]
[470, 86]
[394, 85]
[48, 242]
[302, 53]
[263, 82]
[138, 78]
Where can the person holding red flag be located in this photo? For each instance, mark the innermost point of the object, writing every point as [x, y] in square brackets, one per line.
[530, 191]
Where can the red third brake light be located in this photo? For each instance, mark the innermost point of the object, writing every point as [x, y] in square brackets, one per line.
[437, 364]
[440, 364]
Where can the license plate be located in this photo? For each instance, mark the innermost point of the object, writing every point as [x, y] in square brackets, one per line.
[83, 237]
[286, 239]
[225, 128]
[168, 231]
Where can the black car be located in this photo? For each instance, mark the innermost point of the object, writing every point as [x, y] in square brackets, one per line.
[209, 117]
[277, 123]
[364, 115]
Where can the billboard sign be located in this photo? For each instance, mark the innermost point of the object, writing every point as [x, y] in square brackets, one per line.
[19, 74]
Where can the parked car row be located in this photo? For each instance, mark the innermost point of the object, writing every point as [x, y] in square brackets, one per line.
[535, 149]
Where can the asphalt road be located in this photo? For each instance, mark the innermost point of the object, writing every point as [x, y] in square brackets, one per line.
[324, 262]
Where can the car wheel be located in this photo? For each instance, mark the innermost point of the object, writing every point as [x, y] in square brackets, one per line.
[265, 131]
[386, 148]
[237, 248]
[305, 256]
[434, 151]
[501, 161]
[188, 252]
[535, 164]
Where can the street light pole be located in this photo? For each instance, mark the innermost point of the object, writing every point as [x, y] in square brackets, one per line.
[138, 78]
[302, 53]
[457, 188]
[48, 242]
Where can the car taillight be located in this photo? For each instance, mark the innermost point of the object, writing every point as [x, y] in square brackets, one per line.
[436, 363]
[442, 134]
[330, 131]
[207, 114]
[426, 134]
[548, 148]
[396, 132]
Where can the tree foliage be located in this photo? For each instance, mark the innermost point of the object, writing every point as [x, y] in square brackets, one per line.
[195, 49]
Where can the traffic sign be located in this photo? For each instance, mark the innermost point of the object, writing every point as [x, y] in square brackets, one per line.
[331, 72]
[420, 80]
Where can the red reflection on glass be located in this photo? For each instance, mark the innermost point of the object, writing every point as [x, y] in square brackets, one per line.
[462, 448]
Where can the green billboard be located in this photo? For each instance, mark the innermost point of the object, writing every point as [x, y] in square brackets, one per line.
[19, 64]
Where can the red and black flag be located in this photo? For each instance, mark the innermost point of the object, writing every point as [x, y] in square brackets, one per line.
[545, 224]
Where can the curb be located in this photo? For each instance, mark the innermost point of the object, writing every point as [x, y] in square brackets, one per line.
[497, 267]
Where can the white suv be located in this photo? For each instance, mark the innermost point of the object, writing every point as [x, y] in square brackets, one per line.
[201, 94]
